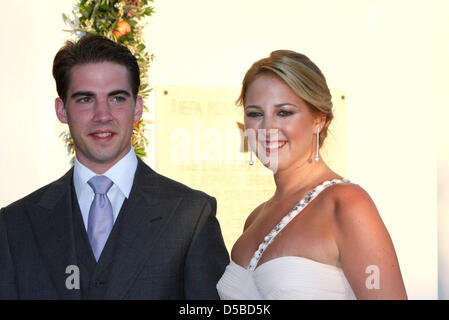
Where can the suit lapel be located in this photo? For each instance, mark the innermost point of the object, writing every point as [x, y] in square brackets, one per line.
[51, 221]
[146, 215]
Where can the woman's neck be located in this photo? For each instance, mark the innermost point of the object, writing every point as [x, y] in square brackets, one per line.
[300, 177]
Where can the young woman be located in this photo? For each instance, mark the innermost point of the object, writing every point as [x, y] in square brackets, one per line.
[319, 236]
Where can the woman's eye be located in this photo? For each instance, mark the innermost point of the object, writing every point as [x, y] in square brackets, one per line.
[284, 113]
[253, 114]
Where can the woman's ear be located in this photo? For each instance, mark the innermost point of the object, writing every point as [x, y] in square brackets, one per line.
[61, 112]
[320, 121]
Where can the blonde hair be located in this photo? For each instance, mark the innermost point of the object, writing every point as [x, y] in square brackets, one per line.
[301, 75]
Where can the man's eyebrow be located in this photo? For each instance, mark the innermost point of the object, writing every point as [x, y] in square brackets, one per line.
[120, 91]
[91, 94]
[82, 93]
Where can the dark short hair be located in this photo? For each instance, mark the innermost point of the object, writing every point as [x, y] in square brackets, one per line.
[93, 49]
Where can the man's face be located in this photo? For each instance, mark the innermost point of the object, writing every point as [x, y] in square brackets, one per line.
[100, 111]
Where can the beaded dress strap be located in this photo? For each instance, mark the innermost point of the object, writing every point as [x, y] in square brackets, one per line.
[312, 194]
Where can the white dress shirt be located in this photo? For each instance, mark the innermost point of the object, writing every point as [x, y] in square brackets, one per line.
[121, 174]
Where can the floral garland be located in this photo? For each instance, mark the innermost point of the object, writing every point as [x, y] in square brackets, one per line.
[121, 21]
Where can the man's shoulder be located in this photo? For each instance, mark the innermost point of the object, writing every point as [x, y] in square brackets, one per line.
[36, 196]
[169, 187]
[173, 187]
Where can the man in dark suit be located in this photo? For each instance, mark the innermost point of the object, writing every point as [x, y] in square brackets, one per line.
[111, 227]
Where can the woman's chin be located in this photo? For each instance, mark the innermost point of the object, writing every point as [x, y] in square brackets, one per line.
[272, 164]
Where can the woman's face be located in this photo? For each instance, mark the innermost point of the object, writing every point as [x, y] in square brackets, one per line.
[281, 122]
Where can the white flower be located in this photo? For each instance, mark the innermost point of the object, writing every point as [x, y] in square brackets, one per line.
[89, 24]
[120, 5]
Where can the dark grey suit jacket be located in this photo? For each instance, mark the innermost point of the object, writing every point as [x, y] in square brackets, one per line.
[170, 244]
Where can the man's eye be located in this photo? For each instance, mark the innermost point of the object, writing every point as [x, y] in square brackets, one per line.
[85, 99]
[118, 99]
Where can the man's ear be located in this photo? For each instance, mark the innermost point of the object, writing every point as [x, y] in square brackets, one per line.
[138, 109]
[61, 113]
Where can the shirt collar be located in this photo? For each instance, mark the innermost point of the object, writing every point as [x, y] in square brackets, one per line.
[121, 174]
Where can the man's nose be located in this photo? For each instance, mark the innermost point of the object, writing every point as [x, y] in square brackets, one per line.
[102, 111]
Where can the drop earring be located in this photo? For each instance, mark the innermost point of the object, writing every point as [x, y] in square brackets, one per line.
[251, 162]
[317, 157]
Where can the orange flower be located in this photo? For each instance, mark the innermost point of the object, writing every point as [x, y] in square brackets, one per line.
[135, 123]
[123, 28]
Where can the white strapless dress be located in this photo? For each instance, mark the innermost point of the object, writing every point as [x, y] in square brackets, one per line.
[289, 277]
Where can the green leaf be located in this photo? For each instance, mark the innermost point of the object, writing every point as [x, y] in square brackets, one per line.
[148, 11]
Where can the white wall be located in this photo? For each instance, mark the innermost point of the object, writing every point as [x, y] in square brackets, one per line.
[32, 154]
[380, 52]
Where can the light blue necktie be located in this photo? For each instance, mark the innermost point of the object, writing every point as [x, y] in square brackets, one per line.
[100, 214]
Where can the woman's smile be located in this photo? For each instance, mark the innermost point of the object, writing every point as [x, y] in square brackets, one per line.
[271, 146]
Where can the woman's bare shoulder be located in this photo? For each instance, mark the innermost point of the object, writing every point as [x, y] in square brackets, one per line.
[357, 219]
[352, 200]
[363, 241]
